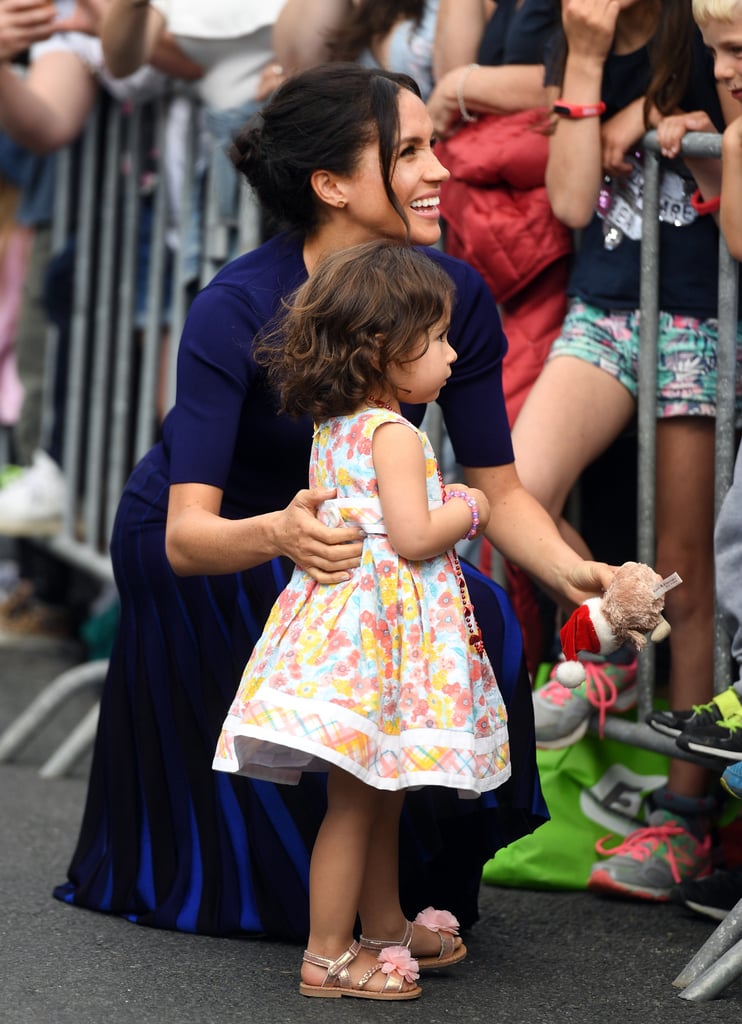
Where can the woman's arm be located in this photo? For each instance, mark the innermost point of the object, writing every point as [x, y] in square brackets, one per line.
[198, 541]
[485, 90]
[575, 167]
[301, 31]
[415, 531]
[47, 108]
[525, 533]
[130, 33]
[458, 32]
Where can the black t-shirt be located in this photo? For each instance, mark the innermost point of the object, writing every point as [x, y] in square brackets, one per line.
[610, 277]
[518, 36]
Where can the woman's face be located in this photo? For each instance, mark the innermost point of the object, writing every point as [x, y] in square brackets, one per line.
[416, 181]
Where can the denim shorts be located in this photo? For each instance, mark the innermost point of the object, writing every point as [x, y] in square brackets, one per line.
[686, 355]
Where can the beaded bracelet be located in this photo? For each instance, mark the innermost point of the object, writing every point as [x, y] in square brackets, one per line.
[465, 115]
[474, 508]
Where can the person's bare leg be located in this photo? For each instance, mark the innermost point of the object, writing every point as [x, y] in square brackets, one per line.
[379, 908]
[685, 523]
[337, 874]
[573, 412]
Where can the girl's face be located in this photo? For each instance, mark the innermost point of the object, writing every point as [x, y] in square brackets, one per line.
[724, 40]
[416, 181]
[421, 379]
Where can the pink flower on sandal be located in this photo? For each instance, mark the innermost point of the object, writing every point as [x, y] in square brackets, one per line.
[399, 959]
[438, 920]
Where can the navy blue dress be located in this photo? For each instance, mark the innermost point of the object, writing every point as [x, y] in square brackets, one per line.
[167, 842]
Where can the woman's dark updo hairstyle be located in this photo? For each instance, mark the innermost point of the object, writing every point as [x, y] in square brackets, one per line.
[362, 310]
[320, 119]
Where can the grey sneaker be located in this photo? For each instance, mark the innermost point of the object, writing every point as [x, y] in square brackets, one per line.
[562, 715]
[651, 860]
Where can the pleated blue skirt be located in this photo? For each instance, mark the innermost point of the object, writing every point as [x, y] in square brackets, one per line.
[167, 842]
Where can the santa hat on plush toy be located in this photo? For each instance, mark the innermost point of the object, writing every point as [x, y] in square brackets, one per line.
[587, 629]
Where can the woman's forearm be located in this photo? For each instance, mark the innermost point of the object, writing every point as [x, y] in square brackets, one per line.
[504, 89]
[458, 33]
[129, 33]
[301, 31]
[574, 170]
[35, 112]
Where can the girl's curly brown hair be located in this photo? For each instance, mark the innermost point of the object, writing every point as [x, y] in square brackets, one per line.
[362, 309]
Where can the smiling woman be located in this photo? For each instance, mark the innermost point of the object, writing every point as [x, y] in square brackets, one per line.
[341, 154]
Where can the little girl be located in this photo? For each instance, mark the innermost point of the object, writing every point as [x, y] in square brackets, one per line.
[381, 681]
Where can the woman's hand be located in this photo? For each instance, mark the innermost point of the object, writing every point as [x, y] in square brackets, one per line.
[23, 22]
[590, 26]
[443, 103]
[588, 579]
[327, 553]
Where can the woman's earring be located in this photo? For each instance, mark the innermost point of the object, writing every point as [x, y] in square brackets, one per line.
[342, 204]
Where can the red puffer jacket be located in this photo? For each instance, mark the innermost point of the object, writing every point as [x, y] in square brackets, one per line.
[495, 206]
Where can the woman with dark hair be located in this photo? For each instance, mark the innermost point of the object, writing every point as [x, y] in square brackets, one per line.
[209, 525]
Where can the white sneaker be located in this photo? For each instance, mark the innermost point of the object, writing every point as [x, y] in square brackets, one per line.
[31, 504]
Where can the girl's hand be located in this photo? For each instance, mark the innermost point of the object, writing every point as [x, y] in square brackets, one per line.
[619, 135]
[670, 130]
[483, 505]
[23, 22]
[590, 26]
[326, 553]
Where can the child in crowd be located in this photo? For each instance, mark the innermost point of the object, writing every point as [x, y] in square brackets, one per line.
[715, 729]
[622, 68]
[383, 680]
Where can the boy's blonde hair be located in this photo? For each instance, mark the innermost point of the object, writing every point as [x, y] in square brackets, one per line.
[705, 11]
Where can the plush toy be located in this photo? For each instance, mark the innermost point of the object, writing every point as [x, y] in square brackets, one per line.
[630, 609]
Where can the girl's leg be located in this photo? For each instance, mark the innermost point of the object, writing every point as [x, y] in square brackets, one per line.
[340, 860]
[685, 524]
[379, 907]
[573, 412]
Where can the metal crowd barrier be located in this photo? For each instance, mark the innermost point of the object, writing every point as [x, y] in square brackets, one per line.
[115, 375]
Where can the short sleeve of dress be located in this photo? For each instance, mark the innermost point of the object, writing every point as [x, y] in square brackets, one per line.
[215, 369]
[472, 401]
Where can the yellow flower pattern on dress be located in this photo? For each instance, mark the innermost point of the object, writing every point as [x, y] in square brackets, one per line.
[376, 674]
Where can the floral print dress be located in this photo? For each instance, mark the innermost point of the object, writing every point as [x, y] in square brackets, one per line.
[377, 674]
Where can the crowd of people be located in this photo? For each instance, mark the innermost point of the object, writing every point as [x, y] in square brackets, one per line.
[282, 604]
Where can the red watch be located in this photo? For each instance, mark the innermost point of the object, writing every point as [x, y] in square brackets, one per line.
[577, 110]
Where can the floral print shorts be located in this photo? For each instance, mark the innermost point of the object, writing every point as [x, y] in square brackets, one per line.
[686, 360]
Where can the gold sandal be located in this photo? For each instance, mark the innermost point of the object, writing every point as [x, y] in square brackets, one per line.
[446, 927]
[395, 961]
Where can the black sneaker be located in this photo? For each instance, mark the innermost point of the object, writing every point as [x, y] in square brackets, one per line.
[723, 740]
[723, 706]
[713, 896]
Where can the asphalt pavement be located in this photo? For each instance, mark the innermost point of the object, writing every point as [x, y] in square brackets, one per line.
[535, 957]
